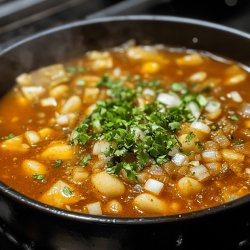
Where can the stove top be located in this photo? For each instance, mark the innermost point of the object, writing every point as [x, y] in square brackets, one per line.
[21, 18]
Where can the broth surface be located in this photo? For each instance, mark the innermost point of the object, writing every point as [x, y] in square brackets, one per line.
[66, 139]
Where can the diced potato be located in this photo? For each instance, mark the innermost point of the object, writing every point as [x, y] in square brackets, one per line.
[23, 79]
[32, 137]
[235, 79]
[72, 105]
[32, 167]
[15, 145]
[220, 139]
[32, 92]
[94, 208]
[189, 186]
[214, 115]
[113, 207]
[108, 185]
[45, 133]
[60, 194]
[90, 95]
[100, 60]
[150, 204]
[58, 150]
[214, 168]
[154, 186]
[231, 155]
[51, 75]
[150, 67]
[190, 60]
[59, 91]
[90, 109]
[198, 76]
[79, 174]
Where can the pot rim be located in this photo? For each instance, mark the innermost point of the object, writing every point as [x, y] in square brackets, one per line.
[24, 200]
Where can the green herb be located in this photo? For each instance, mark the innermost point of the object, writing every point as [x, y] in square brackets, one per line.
[214, 127]
[179, 87]
[189, 137]
[85, 160]
[234, 118]
[38, 177]
[80, 82]
[9, 136]
[74, 70]
[199, 145]
[238, 142]
[57, 163]
[67, 191]
[147, 133]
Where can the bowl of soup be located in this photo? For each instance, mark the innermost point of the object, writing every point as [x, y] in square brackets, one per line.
[121, 132]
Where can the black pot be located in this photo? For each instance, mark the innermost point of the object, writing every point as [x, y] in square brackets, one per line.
[38, 226]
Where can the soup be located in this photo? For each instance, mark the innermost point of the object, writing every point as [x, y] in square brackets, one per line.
[132, 131]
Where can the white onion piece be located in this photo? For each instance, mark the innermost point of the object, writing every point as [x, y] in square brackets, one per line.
[94, 208]
[179, 159]
[153, 186]
[195, 110]
[235, 96]
[212, 106]
[100, 147]
[201, 127]
[170, 100]
[148, 92]
[199, 172]
[194, 163]
[31, 92]
[32, 137]
[246, 109]
[47, 102]
[211, 155]
[174, 151]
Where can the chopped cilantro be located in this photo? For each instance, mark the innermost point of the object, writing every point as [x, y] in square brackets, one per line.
[189, 137]
[179, 87]
[148, 133]
[238, 142]
[67, 191]
[9, 136]
[199, 145]
[234, 118]
[85, 160]
[57, 163]
[38, 177]
[214, 127]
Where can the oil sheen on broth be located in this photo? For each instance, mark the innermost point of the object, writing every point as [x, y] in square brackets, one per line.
[129, 132]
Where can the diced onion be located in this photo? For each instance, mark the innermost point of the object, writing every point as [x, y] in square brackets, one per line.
[247, 171]
[179, 159]
[148, 92]
[211, 155]
[246, 110]
[194, 163]
[100, 147]
[32, 137]
[50, 101]
[212, 106]
[94, 208]
[199, 172]
[154, 186]
[235, 96]
[195, 110]
[31, 92]
[170, 100]
[201, 127]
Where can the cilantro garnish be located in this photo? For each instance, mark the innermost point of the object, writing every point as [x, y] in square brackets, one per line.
[74, 70]
[38, 177]
[234, 118]
[199, 145]
[190, 137]
[214, 127]
[85, 160]
[238, 142]
[148, 133]
[57, 163]
[67, 191]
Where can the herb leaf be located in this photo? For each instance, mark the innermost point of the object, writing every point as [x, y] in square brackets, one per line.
[38, 177]
[85, 160]
[67, 191]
